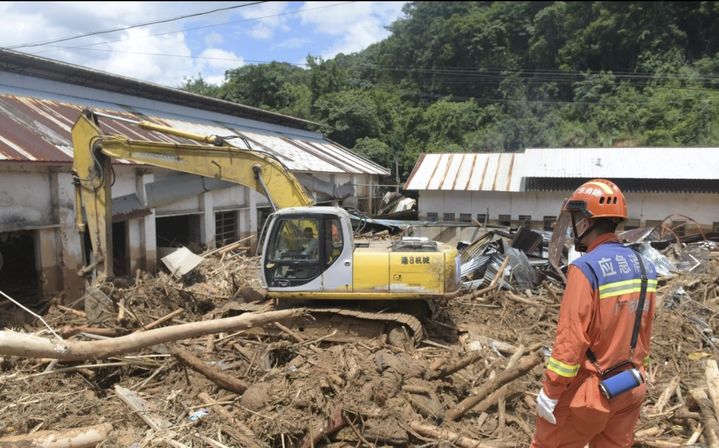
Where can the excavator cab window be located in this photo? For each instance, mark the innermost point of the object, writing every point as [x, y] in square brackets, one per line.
[294, 255]
[300, 248]
[333, 237]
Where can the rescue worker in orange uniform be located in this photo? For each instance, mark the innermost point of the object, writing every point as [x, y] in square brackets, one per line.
[595, 332]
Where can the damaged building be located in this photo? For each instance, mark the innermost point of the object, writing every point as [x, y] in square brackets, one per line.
[510, 189]
[40, 99]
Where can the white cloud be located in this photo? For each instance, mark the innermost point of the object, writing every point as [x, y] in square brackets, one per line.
[213, 39]
[272, 18]
[139, 53]
[261, 31]
[294, 42]
[213, 70]
[355, 26]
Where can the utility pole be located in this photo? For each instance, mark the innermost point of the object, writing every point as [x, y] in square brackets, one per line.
[396, 174]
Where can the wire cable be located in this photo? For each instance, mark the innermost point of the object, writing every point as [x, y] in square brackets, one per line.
[124, 28]
[215, 25]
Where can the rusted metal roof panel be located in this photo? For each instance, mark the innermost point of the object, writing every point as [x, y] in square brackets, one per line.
[38, 130]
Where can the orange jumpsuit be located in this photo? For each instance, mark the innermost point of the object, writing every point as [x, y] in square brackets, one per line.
[598, 312]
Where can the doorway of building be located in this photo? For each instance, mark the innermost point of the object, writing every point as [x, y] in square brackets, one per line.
[176, 231]
[18, 272]
[120, 252]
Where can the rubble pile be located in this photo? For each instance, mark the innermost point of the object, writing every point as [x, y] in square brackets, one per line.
[471, 382]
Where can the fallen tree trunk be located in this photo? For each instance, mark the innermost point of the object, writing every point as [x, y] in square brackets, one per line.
[86, 437]
[68, 331]
[523, 366]
[446, 435]
[222, 379]
[29, 346]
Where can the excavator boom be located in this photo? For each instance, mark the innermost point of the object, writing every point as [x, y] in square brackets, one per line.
[94, 150]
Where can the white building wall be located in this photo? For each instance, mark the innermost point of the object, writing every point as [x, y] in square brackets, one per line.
[25, 198]
[704, 208]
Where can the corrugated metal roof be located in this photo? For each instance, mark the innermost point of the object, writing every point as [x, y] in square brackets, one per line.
[510, 171]
[465, 172]
[38, 130]
[639, 163]
[39, 67]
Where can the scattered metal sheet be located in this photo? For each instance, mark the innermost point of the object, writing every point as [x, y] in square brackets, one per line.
[181, 261]
[521, 271]
[661, 262]
[527, 240]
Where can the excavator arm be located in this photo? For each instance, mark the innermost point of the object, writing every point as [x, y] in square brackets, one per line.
[94, 151]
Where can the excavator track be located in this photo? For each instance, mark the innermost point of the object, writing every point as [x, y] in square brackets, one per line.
[337, 324]
[406, 320]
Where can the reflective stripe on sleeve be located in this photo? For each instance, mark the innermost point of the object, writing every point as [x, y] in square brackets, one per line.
[625, 287]
[562, 369]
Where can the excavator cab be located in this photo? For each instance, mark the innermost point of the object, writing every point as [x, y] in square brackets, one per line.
[302, 245]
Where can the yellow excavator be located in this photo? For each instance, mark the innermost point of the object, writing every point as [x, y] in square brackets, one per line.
[308, 253]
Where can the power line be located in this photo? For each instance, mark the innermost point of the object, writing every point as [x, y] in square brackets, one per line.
[139, 25]
[232, 22]
[461, 79]
[463, 76]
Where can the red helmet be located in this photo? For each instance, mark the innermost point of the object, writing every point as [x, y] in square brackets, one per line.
[598, 198]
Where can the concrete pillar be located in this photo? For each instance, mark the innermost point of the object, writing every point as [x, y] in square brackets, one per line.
[70, 245]
[248, 225]
[370, 195]
[134, 241]
[46, 262]
[207, 223]
[148, 234]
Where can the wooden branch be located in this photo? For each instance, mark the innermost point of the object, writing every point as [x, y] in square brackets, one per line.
[684, 413]
[711, 428]
[712, 376]
[493, 398]
[69, 331]
[227, 247]
[461, 364]
[72, 310]
[245, 436]
[142, 409]
[161, 320]
[695, 435]
[329, 426]
[500, 346]
[515, 298]
[222, 379]
[446, 435]
[29, 346]
[666, 395]
[86, 437]
[524, 365]
[653, 443]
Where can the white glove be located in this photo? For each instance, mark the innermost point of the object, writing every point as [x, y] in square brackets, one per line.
[545, 407]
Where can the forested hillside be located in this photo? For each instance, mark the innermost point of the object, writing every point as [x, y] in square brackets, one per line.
[503, 76]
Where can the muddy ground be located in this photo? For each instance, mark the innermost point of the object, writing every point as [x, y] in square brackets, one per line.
[377, 391]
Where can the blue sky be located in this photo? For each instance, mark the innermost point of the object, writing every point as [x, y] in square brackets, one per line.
[168, 53]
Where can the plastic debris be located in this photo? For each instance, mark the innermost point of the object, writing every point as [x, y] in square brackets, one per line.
[198, 414]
